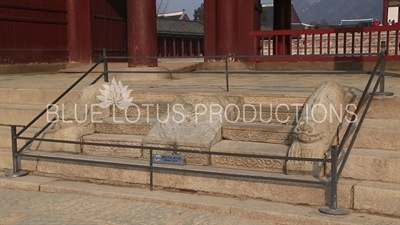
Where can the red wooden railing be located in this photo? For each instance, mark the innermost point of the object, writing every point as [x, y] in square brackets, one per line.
[327, 44]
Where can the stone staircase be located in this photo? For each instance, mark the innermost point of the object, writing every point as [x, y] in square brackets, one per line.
[370, 181]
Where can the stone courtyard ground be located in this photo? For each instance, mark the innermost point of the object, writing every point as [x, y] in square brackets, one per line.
[32, 200]
[31, 208]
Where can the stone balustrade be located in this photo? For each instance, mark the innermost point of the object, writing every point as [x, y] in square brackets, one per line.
[343, 45]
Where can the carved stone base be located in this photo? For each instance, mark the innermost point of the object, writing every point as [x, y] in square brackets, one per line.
[193, 122]
[76, 118]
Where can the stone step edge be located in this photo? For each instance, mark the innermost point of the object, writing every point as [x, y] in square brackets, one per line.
[251, 209]
[140, 163]
[385, 124]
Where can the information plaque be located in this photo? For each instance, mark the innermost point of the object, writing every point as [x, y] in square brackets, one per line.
[169, 159]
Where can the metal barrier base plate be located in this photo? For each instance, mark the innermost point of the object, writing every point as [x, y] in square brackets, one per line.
[383, 93]
[18, 174]
[335, 212]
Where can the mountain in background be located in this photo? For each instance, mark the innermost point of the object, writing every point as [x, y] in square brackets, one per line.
[335, 10]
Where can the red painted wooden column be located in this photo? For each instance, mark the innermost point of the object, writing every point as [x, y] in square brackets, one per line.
[227, 27]
[165, 46]
[79, 31]
[174, 47]
[191, 46]
[72, 30]
[249, 20]
[282, 21]
[183, 46]
[142, 32]
[210, 28]
[198, 46]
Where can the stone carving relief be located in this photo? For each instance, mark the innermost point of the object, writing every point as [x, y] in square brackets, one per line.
[76, 117]
[249, 163]
[317, 127]
[193, 121]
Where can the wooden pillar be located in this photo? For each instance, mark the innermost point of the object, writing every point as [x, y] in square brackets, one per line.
[72, 30]
[142, 32]
[385, 16]
[227, 27]
[183, 45]
[165, 46]
[79, 31]
[173, 46]
[210, 28]
[198, 46]
[249, 20]
[191, 46]
[282, 21]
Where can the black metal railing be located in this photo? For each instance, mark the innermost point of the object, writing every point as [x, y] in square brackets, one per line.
[336, 168]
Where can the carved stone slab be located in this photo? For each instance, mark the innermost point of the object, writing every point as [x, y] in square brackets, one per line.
[193, 121]
[76, 117]
[316, 130]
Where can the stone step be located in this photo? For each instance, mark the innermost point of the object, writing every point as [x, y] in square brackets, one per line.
[373, 165]
[381, 108]
[270, 114]
[119, 139]
[363, 164]
[374, 197]
[33, 96]
[143, 110]
[254, 148]
[374, 134]
[46, 96]
[122, 125]
[257, 132]
[5, 138]
[265, 212]
[22, 114]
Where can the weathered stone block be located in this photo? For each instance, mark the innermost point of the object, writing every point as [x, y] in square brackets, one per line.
[130, 140]
[276, 192]
[77, 116]
[372, 165]
[7, 164]
[377, 197]
[193, 122]
[88, 172]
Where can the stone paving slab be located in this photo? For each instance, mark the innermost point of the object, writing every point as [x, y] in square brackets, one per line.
[27, 207]
[67, 202]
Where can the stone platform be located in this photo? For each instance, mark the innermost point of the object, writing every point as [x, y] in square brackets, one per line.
[371, 168]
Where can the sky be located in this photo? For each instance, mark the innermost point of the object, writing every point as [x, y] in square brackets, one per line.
[189, 5]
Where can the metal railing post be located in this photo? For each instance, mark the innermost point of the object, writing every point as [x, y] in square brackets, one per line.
[382, 72]
[333, 209]
[151, 169]
[227, 73]
[16, 172]
[105, 65]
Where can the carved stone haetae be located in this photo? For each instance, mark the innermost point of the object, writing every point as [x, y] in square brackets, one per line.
[76, 117]
[193, 122]
[317, 127]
